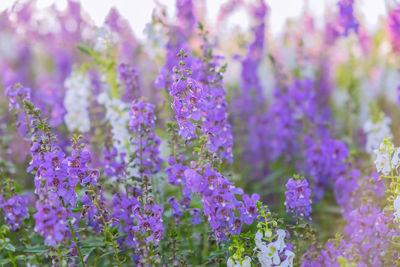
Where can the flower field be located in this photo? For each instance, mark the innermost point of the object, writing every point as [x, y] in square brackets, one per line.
[201, 144]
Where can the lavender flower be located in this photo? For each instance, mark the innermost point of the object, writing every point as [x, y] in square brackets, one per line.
[91, 213]
[187, 95]
[135, 218]
[225, 213]
[325, 160]
[176, 212]
[392, 26]
[346, 19]
[115, 164]
[51, 220]
[298, 196]
[14, 211]
[78, 170]
[146, 142]
[130, 79]
[17, 94]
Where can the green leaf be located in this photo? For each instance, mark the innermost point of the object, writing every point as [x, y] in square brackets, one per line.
[92, 244]
[83, 49]
[120, 236]
[395, 244]
[4, 261]
[87, 252]
[106, 254]
[4, 229]
[20, 257]
[81, 229]
[10, 247]
[37, 249]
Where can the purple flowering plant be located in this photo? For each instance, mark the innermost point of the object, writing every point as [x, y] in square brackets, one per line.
[175, 149]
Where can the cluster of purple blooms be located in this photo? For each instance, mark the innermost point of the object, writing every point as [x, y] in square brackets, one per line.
[146, 142]
[393, 28]
[324, 161]
[49, 164]
[252, 92]
[343, 23]
[298, 197]
[91, 213]
[366, 240]
[199, 103]
[188, 95]
[215, 125]
[17, 94]
[224, 212]
[178, 37]
[51, 220]
[114, 163]
[129, 77]
[15, 211]
[250, 103]
[134, 212]
[347, 20]
[134, 218]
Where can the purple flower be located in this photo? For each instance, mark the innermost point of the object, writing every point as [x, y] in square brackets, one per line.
[346, 19]
[134, 217]
[185, 14]
[188, 96]
[199, 104]
[393, 28]
[78, 170]
[51, 220]
[14, 211]
[114, 163]
[17, 94]
[176, 212]
[220, 204]
[91, 213]
[176, 173]
[130, 79]
[298, 197]
[196, 216]
[325, 160]
[250, 213]
[146, 142]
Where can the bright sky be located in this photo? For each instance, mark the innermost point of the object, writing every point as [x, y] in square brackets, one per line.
[138, 12]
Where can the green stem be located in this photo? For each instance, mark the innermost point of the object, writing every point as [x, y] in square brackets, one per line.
[74, 238]
[106, 229]
[59, 257]
[111, 76]
[189, 236]
[10, 255]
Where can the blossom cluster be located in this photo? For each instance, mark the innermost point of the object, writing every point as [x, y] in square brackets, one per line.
[298, 196]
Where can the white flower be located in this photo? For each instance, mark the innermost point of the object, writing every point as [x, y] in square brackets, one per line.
[268, 255]
[376, 132]
[280, 241]
[105, 37]
[382, 162]
[258, 240]
[230, 263]
[76, 102]
[288, 262]
[396, 158]
[117, 114]
[396, 205]
[246, 262]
